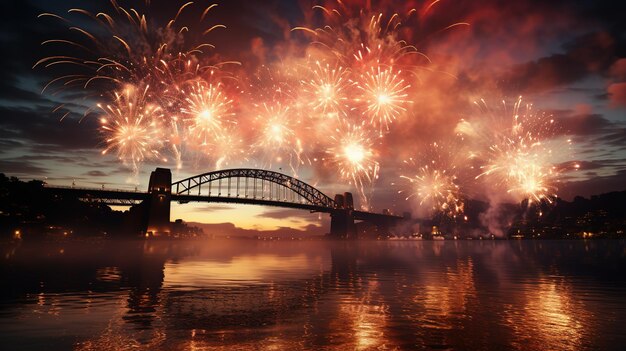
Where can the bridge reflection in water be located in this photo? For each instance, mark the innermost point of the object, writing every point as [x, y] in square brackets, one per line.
[308, 295]
[241, 186]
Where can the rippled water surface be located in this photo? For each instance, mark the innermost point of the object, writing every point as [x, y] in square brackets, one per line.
[231, 295]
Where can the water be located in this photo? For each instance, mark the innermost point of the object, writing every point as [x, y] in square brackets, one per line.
[240, 295]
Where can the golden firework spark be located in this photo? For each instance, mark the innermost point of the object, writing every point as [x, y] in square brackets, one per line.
[327, 90]
[435, 188]
[353, 155]
[383, 95]
[230, 149]
[122, 46]
[207, 113]
[130, 127]
[433, 179]
[516, 153]
[277, 140]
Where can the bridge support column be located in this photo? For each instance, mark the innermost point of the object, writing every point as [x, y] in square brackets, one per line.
[341, 219]
[342, 224]
[159, 202]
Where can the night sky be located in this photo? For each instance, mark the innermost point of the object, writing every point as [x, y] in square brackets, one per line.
[566, 57]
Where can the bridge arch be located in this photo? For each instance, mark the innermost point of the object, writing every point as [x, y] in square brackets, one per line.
[256, 184]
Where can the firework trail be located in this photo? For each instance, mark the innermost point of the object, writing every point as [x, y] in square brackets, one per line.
[124, 46]
[113, 48]
[370, 54]
[129, 127]
[375, 51]
[358, 37]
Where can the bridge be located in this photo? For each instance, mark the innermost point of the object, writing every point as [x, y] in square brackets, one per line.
[239, 186]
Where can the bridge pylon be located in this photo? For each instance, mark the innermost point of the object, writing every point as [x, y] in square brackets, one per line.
[342, 218]
[160, 190]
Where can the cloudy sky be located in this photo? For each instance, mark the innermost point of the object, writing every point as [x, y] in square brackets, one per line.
[566, 57]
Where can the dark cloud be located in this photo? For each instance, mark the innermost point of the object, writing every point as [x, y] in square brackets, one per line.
[43, 130]
[56, 158]
[597, 164]
[21, 168]
[96, 173]
[8, 144]
[545, 73]
[230, 229]
[588, 54]
[616, 138]
[588, 126]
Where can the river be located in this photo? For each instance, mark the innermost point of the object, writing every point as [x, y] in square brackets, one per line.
[315, 295]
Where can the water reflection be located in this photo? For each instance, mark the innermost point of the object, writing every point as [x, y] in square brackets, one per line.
[552, 314]
[309, 295]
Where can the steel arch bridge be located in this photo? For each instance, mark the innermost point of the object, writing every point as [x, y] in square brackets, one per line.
[252, 186]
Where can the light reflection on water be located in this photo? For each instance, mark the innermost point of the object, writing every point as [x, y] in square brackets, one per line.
[224, 295]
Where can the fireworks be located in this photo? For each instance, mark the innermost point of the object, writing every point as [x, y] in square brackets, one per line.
[230, 148]
[435, 188]
[129, 127]
[524, 170]
[434, 181]
[354, 156]
[123, 46]
[112, 49]
[384, 96]
[361, 39]
[207, 112]
[276, 138]
[327, 90]
[514, 151]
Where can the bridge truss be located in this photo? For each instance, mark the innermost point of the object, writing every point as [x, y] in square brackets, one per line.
[253, 184]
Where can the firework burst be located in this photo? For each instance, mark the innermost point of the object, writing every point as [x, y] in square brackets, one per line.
[353, 154]
[384, 96]
[277, 140]
[435, 188]
[434, 180]
[516, 150]
[207, 113]
[326, 92]
[130, 127]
